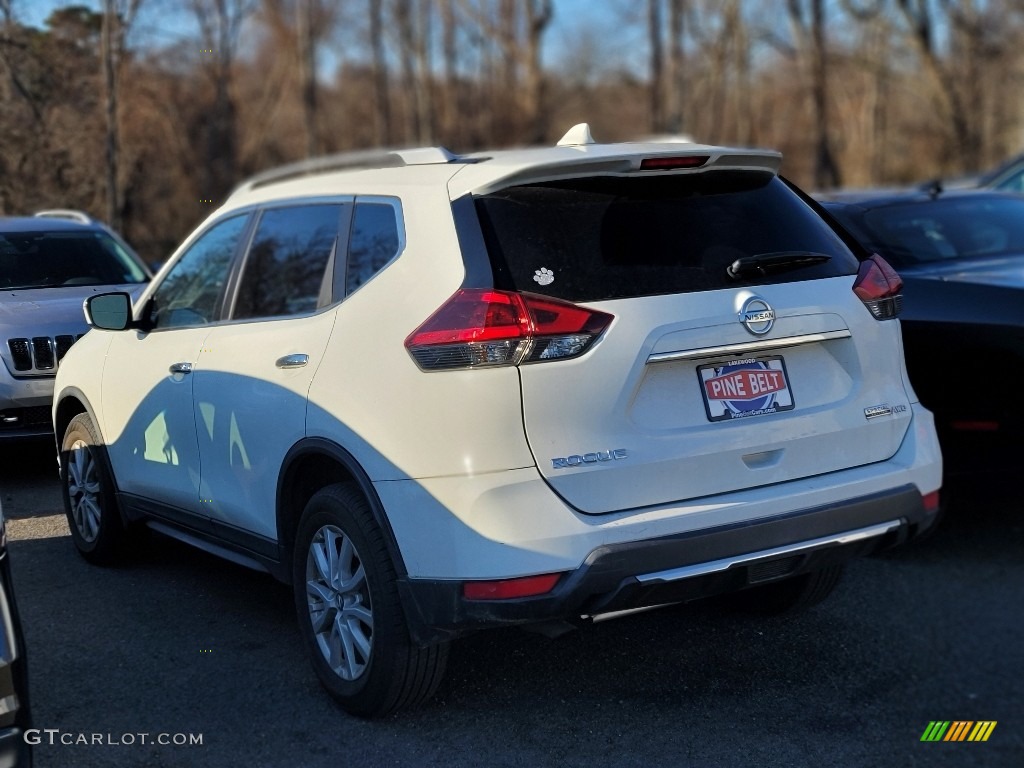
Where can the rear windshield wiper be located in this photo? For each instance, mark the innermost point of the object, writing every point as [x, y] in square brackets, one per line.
[769, 263]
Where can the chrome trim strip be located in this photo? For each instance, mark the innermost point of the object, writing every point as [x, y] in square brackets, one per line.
[748, 346]
[714, 566]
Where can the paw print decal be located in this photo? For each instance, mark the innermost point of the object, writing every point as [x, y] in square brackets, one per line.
[544, 276]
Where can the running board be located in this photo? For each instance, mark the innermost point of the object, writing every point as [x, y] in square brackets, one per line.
[206, 546]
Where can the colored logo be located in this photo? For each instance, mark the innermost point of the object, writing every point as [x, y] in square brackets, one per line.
[958, 730]
[746, 388]
[746, 384]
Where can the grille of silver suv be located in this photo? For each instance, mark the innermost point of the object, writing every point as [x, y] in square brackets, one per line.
[40, 354]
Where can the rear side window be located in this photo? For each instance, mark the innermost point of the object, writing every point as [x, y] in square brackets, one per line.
[612, 237]
[373, 243]
[286, 267]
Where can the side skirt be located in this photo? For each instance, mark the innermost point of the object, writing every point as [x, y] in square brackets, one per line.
[215, 538]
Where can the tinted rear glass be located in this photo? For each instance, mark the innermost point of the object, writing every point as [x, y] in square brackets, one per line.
[611, 237]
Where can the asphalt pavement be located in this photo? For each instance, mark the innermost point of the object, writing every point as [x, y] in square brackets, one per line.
[178, 646]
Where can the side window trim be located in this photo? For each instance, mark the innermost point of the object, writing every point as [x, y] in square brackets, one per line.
[335, 275]
[227, 298]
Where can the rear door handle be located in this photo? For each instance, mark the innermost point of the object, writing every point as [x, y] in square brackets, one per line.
[292, 361]
[181, 368]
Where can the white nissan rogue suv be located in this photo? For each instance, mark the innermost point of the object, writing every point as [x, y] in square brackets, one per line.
[439, 393]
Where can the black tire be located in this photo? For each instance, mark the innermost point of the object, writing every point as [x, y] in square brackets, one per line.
[87, 488]
[791, 595]
[377, 669]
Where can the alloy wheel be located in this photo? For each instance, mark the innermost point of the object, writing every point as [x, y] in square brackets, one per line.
[83, 485]
[338, 599]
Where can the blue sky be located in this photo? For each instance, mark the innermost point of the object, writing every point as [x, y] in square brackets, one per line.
[597, 21]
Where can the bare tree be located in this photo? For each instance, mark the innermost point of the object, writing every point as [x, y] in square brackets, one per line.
[412, 21]
[809, 34]
[220, 23]
[307, 73]
[515, 28]
[450, 54]
[656, 78]
[871, 58]
[674, 70]
[117, 20]
[538, 16]
[381, 96]
[977, 34]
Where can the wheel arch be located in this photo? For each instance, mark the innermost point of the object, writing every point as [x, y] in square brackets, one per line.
[314, 463]
[72, 402]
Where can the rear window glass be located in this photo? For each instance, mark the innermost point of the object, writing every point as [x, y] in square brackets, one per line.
[612, 237]
[49, 259]
[955, 228]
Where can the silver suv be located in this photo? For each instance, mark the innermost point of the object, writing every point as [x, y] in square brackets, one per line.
[49, 264]
[439, 393]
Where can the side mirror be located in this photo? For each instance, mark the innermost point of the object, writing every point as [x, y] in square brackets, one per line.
[108, 311]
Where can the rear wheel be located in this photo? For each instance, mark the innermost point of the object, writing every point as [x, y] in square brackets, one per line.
[790, 595]
[88, 491]
[350, 614]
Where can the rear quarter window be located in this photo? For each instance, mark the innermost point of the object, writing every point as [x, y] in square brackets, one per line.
[614, 237]
[373, 243]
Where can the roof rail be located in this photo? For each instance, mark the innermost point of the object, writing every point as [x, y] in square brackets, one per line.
[65, 213]
[360, 160]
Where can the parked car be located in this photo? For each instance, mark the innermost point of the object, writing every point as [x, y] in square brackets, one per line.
[49, 263]
[1008, 176]
[440, 393]
[960, 254]
[15, 712]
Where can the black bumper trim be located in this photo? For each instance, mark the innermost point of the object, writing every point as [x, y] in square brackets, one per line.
[610, 577]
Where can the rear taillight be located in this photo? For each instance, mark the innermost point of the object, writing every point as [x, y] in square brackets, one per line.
[931, 501]
[479, 327]
[878, 286]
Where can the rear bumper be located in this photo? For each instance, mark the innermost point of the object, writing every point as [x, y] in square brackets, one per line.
[682, 567]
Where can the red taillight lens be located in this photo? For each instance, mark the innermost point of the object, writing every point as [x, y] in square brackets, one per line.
[878, 286]
[506, 589]
[474, 316]
[931, 501]
[974, 425]
[479, 327]
[668, 163]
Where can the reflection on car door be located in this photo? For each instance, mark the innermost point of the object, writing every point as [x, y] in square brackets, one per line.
[253, 377]
[251, 385]
[153, 448]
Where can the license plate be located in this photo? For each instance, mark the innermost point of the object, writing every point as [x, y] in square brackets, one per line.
[741, 388]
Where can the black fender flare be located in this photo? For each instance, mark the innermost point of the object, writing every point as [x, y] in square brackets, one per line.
[324, 447]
